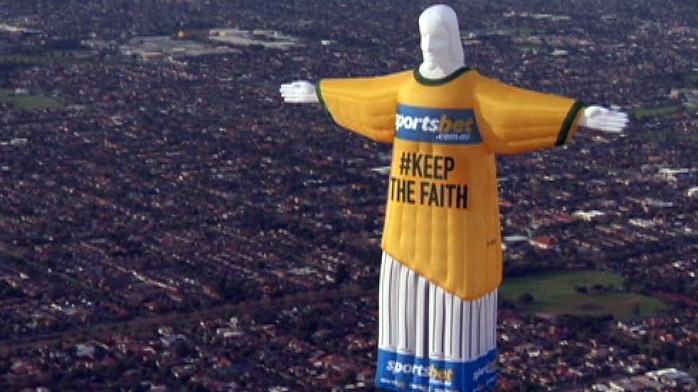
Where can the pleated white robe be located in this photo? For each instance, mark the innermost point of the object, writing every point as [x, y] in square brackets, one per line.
[431, 340]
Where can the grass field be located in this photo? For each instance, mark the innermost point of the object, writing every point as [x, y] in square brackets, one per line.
[658, 111]
[557, 293]
[29, 102]
[44, 57]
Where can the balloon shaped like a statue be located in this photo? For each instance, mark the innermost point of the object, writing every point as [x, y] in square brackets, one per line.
[442, 250]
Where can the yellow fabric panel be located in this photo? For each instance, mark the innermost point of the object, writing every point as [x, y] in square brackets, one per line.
[457, 248]
[442, 216]
[364, 105]
[515, 120]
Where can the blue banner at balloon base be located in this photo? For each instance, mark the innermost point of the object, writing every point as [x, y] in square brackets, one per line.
[407, 372]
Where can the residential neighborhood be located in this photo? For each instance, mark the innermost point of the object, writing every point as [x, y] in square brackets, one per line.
[168, 223]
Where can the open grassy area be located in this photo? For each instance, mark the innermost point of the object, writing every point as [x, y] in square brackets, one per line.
[29, 102]
[691, 78]
[658, 111]
[558, 293]
[44, 57]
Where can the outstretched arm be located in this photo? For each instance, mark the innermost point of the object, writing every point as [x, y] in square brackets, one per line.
[365, 105]
[514, 120]
[603, 119]
[299, 92]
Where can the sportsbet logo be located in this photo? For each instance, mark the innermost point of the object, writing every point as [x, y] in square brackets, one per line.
[457, 126]
[444, 376]
[428, 124]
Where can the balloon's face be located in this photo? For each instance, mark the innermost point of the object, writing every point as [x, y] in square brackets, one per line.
[435, 43]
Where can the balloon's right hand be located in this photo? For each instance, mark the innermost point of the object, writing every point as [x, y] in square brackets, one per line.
[603, 119]
[299, 92]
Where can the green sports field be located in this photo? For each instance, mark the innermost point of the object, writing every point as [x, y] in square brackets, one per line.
[29, 102]
[656, 111]
[579, 293]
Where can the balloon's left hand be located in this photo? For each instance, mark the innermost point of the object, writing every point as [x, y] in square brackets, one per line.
[603, 119]
[299, 91]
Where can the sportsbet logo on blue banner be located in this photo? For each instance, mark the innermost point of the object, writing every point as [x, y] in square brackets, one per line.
[449, 126]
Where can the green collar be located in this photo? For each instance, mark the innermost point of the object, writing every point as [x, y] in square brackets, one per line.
[436, 82]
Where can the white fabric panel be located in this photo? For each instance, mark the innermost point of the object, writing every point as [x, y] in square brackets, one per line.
[402, 300]
[420, 318]
[467, 341]
[384, 303]
[395, 322]
[456, 332]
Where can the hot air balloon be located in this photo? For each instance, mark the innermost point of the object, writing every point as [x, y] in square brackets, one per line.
[442, 249]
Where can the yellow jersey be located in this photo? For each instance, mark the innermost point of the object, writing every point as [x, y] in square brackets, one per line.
[442, 214]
